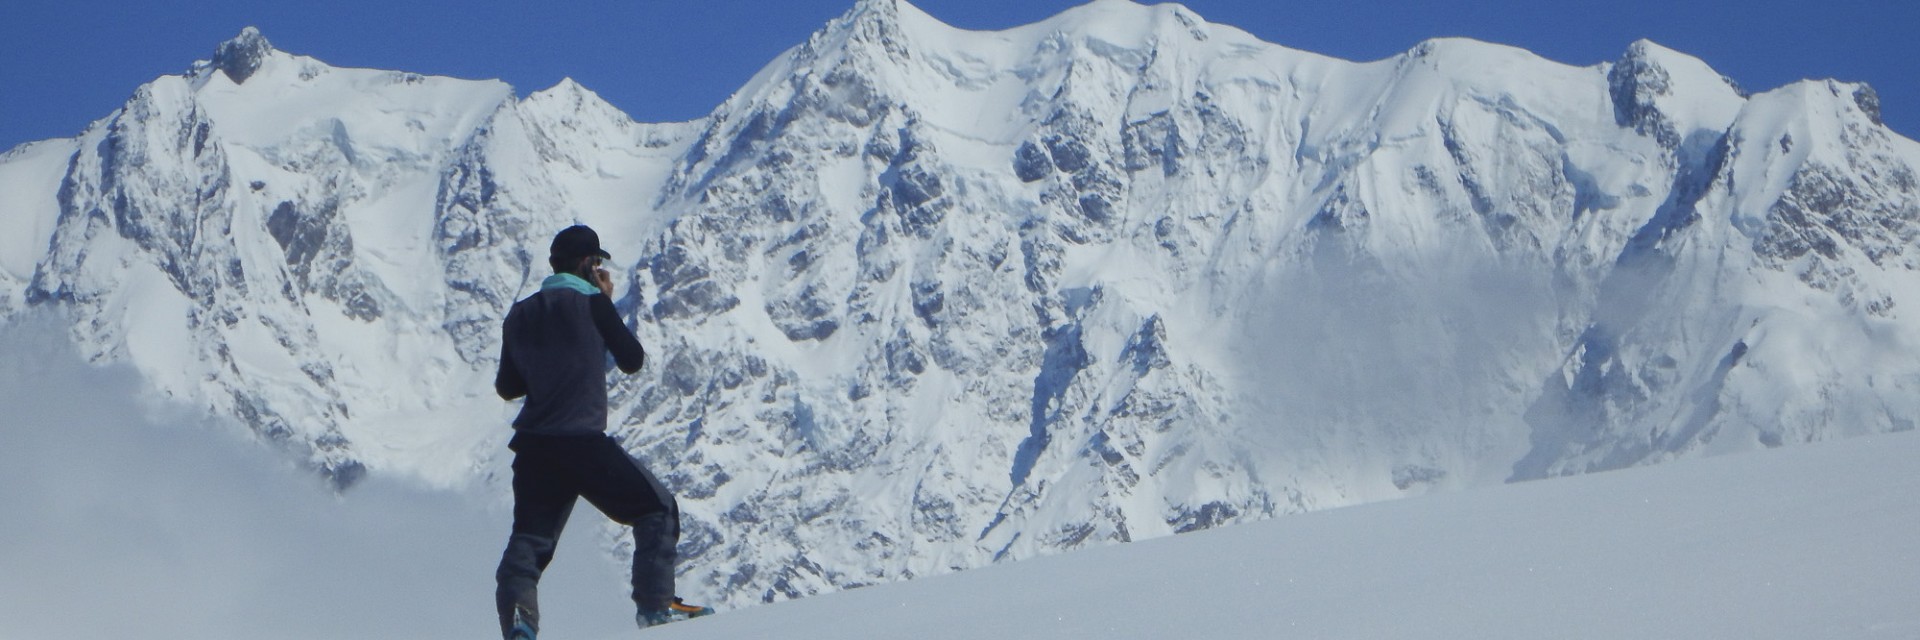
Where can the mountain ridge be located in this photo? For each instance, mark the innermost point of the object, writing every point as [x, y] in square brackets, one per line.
[921, 299]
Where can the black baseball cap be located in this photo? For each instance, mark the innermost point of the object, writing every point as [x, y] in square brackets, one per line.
[577, 241]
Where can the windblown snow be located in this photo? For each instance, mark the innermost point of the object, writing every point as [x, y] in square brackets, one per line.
[919, 299]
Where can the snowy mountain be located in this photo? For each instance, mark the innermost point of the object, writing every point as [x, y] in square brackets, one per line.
[919, 299]
[1798, 542]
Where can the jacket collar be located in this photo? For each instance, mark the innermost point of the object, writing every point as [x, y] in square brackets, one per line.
[569, 281]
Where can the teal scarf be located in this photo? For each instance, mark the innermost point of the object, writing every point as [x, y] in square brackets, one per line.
[569, 281]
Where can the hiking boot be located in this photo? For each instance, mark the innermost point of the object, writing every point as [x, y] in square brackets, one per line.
[673, 613]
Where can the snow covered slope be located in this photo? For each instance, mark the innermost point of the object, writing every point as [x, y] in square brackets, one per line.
[1807, 543]
[123, 525]
[919, 299]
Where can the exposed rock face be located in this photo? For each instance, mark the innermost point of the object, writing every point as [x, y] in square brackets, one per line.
[918, 299]
[241, 56]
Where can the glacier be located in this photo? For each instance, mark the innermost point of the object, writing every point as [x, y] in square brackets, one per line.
[921, 299]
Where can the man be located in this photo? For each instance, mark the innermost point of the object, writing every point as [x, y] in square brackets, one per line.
[553, 352]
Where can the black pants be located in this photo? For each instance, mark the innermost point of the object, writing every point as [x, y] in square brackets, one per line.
[549, 474]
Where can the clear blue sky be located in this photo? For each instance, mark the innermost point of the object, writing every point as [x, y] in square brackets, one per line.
[64, 63]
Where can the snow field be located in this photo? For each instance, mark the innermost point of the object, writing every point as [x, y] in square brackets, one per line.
[129, 518]
[1805, 542]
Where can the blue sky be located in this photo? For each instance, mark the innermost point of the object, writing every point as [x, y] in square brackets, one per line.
[64, 63]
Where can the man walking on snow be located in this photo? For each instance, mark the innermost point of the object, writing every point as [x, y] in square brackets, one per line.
[553, 352]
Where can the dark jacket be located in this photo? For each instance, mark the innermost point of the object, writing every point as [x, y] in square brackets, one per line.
[553, 351]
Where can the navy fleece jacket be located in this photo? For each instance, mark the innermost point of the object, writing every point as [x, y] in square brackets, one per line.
[553, 351]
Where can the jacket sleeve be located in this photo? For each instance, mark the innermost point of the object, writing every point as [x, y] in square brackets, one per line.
[507, 382]
[625, 347]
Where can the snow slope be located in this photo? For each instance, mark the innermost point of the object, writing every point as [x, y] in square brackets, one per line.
[920, 299]
[24, 174]
[1808, 542]
[124, 524]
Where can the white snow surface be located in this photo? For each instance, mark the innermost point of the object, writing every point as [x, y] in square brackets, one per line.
[124, 524]
[31, 212]
[1804, 543]
[919, 299]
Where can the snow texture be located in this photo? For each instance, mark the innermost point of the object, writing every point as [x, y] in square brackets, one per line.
[921, 299]
[124, 525]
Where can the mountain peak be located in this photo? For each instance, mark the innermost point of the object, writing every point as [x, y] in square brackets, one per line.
[567, 86]
[242, 55]
[875, 20]
[877, 9]
[1668, 94]
[572, 96]
[1091, 279]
